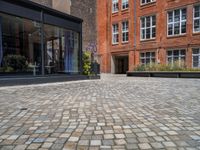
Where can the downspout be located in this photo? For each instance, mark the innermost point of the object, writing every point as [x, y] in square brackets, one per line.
[135, 28]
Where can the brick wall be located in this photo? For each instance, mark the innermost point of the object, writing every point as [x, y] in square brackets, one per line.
[160, 45]
[86, 9]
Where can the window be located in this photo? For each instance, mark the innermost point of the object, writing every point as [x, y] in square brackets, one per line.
[115, 34]
[115, 6]
[147, 58]
[148, 27]
[196, 18]
[177, 22]
[125, 32]
[143, 2]
[125, 4]
[196, 58]
[176, 56]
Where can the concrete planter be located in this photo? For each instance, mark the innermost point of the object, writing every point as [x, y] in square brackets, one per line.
[164, 74]
[94, 77]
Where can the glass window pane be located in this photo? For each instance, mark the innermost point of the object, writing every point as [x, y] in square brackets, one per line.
[170, 29]
[176, 28]
[176, 52]
[153, 20]
[177, 15]
[170, 17]
[153, 54]
[182, 52]
[169, 53]
[184, 14]
[196, 51]
[148, 22]
[183, 27]
[143, 22]
[148, 35]
[148, 54]
[197, 25]
[197, 11]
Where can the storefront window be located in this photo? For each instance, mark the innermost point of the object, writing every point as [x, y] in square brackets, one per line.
[20, 48]
[62, 50]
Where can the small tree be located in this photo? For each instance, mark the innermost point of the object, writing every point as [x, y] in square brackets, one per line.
[86, 63]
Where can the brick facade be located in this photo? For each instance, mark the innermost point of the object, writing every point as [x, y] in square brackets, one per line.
[132, 49]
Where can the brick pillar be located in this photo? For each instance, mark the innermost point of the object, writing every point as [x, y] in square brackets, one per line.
[189, 57]
[131, 60]
[162, 56]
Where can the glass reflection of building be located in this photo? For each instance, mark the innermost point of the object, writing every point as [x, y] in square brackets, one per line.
[26, 44]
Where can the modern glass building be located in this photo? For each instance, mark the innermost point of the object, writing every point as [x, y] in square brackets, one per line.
[38, 40]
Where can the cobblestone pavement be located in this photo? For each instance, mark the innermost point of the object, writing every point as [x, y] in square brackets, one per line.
[115, 112]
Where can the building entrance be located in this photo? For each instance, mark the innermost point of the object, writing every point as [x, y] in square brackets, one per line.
[121, 64]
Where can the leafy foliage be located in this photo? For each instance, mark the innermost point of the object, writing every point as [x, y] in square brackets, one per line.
[86, 63]
[177, 66]
[14, 63]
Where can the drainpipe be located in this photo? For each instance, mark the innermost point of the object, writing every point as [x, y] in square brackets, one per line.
[135, 27]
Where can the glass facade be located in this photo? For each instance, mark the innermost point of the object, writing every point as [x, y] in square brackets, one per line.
[21, 47]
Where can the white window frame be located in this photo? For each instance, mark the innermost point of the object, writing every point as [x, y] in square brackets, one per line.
[193, 55]
[145, 28]
[115, 33]
[145, 57]
[145, 3]
[195, 18]
[172, 56]
[126, 4]
[125, 31]
[115, 5]
[173, 22]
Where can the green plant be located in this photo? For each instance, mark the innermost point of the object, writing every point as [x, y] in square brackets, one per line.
[86, 63]
[16, 62]
[8, 69]
[176, 66]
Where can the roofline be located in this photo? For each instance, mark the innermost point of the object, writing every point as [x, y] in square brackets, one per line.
[36, 6]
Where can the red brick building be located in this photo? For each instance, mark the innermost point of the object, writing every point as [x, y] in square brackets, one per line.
[133, 32]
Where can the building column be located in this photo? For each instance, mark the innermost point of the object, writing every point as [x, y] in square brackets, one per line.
[189, 57]
[162, 56]
[131, 60]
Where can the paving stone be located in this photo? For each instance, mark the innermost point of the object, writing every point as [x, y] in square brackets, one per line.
[169, 144]
[83, 142]
[95, 142]
[120, 142]
[47, 145]
[144, 146]
[73, 139]
[108, 136]
[157, 145]
[20, 147]
[34, 146]
[120, 136]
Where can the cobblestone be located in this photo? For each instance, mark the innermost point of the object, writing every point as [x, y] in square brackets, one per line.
[115, 112]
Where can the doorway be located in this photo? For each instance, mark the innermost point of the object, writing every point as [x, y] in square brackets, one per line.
[121, 64]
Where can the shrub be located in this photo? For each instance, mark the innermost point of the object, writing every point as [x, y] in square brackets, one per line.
[177, 66]
[15, 63]
[86, 63]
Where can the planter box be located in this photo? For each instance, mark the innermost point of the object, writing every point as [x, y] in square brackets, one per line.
[164, 74]
[94, 77]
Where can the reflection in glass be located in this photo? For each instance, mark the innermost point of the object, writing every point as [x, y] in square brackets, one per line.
[62, 47]
[21, 47]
